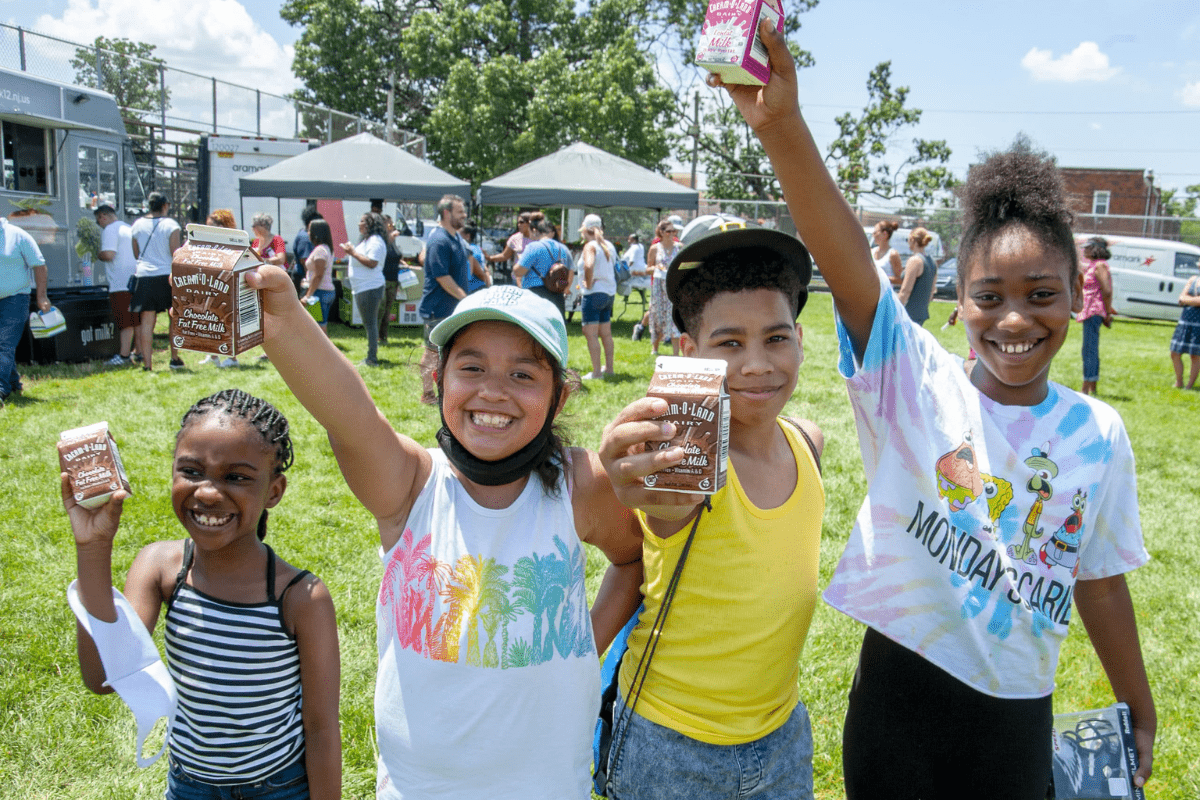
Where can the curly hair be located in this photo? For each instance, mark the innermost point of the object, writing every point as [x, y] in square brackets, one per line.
[1022, 187]
[737, 271]
[262, 220]
[222, 218]
[263, 417]
[375, 226]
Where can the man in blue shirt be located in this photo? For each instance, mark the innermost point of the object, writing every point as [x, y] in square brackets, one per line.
[20, 260]
[302, 246]
[446, 272]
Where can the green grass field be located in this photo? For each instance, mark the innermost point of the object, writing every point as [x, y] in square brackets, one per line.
[57, 740]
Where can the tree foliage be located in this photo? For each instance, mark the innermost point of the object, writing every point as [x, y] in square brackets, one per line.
[491, 84]
[1182, 204]
[129, 72]
[859, 154]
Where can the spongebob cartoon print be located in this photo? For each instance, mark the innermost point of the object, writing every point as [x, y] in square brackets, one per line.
[999, 494]
[1039, 484]
[958, 478]
[1063, 548]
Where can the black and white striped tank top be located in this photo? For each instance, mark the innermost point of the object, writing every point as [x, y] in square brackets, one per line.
[237, 672]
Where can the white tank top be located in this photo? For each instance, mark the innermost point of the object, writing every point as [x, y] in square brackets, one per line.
[489, 681]
[604, 280]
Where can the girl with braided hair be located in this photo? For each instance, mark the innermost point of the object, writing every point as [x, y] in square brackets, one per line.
[250, 689]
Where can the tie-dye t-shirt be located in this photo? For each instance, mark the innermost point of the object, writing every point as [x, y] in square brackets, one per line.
[979, 517]
[489, 681]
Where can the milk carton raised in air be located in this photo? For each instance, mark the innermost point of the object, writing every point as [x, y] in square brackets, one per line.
[94, 470]
[698, 406]
[729, 44]
[212, 308]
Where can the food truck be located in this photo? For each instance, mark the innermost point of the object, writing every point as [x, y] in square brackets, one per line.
[64, 151]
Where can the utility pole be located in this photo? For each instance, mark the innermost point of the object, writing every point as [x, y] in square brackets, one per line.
[694, 132]
[391, 102]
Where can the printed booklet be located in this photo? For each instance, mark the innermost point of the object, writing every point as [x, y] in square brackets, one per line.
[1094, 755]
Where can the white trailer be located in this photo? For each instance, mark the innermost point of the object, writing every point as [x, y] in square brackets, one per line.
[224, 160]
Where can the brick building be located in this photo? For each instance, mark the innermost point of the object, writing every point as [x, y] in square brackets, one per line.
[1121, 201]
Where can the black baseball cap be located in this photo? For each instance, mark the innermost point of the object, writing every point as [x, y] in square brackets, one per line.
[725, 237]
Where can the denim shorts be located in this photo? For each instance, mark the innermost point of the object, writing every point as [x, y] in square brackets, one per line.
[289, 783]
[597, 308]
[325, 297]
[657, 763]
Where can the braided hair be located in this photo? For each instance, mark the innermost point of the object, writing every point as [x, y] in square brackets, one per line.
[268, 421]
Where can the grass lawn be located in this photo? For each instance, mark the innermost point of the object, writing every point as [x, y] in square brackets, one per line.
[57, 740]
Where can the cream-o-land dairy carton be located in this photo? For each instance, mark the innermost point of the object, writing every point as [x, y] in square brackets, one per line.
[212, 308]
[729, 43]
[89, 457]
[698, 406]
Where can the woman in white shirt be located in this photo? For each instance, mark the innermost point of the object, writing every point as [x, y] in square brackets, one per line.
[366, 277]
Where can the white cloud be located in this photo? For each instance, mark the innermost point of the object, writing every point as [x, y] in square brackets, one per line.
[1190, 94]
[216, 38]
[1084, 63]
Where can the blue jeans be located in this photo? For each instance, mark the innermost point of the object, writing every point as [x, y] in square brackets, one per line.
[14, 316]
[289, 783]
[597, 308]
[657, 763]
[325, 297]
[1091, 347]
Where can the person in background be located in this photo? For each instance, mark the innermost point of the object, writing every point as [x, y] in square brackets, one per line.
[156, 237]
[1097, 308]
[920, 278]
[481, 275]
[517, 243]
[302, 246]
[220, 218]
[446, 270]
[639, 280]
[662, 253]
[539, 257]
[271, 247]
[318, 281]
[366, 278]
[116, 251]
[886, 258]
[599, 284]
[377, 206]
[1187, 334]
[391, 279]
[20, 258]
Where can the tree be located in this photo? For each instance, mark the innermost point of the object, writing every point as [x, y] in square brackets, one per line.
[859, 153]
[1184, 205]
[491, 84]
[129, 72]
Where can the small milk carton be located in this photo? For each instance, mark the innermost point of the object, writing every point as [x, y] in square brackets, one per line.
[89, 457]
[729, 44]
[698, 406]
[212, 308]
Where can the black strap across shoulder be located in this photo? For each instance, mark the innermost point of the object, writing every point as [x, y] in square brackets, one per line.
[808, 439]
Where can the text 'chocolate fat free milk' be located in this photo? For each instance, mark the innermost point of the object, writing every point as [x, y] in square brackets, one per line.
[89, 457]
[698, 406]
[729, 44]
[213, 310]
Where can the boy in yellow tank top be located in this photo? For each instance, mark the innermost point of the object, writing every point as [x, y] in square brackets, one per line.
[719, 713]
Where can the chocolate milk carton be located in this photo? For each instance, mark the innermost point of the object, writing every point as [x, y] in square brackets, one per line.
[89, 457]
[698, 401]
[729, 44]
[213, 310]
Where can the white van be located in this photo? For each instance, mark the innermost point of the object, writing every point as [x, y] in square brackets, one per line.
[1147, 274]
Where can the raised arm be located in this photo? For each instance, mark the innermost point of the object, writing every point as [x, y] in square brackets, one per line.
[383, 469]
[823, 217]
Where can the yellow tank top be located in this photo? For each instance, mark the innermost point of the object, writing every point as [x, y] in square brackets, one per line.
[726, 667]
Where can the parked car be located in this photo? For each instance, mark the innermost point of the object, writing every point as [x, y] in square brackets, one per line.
[947, 280]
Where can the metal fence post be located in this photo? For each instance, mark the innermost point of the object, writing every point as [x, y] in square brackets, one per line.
[214, 85]
[99, 68]
[162, 96]
[258, 112]
[21, 45]
[329, 127]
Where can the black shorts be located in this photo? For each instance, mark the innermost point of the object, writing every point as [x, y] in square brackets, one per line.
[915, 731]
[150, 293]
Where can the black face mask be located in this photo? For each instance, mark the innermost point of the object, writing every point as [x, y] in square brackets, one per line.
[506, 470]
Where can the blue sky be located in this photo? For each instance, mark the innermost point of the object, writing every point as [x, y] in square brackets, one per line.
[1098, 83]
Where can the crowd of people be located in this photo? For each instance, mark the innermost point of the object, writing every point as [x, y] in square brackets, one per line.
[488, 680]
